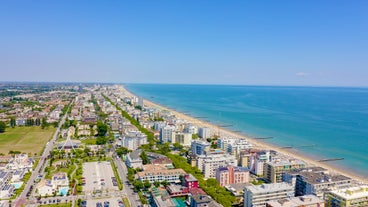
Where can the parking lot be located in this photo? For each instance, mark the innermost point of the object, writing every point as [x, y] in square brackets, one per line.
[113, 202]
[98, 178]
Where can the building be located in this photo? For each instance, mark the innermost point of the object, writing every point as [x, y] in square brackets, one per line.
[134, 160]
[349, 197]
[209, 163]
[160, 173]
[204, 132]
[60, 180]
[191, 129]
[273, 170]
[190, 181]
[160, 198]
[184, 139]
[232, 175]
[309, 182]
[134, 139]
[45, 188]
[239, 145]
[6, 191]
[302, 201]
[199, 147]
[203, 201]
[167, 133]
[258, 196]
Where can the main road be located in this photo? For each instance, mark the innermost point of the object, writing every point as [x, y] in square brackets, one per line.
[21, 199]
[127, 189]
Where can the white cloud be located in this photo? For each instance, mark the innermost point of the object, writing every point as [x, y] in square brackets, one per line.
[302, 74]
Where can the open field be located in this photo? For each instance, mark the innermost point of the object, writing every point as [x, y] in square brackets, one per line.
[25, 139]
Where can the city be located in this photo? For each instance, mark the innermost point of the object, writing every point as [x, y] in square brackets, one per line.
[100, 145]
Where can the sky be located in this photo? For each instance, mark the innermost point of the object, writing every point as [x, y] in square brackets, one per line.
[304, 42]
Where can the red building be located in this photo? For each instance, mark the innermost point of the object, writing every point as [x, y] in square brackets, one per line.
[190, 181]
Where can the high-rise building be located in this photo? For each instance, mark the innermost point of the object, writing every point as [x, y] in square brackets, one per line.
[167, 133]
[258, 196]
[273, 170]
[209, 163]
[204, 132]
[184, 139]
[349, 197]
[232, 175]
[199, 147]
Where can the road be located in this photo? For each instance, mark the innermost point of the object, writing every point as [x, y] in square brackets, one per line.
[127, 189]
[21, 199]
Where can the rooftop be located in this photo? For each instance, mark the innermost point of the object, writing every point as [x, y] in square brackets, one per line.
[321, 177]
[352, 193]
[296, 201]
[267, 188]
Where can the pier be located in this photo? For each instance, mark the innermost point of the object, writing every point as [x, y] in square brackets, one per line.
[330, 159]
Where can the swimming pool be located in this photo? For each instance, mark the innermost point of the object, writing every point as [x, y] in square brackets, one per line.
[17, 185]
[63, 191]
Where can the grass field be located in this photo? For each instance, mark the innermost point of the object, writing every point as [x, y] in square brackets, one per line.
[25, 139]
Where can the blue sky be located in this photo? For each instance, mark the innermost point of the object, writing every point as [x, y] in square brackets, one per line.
[317, 43]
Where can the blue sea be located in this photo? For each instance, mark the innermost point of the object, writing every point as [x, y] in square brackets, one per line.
[320, 122]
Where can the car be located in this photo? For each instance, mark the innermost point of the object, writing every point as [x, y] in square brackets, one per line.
[84, 203]
[98, 204]
[106, 204]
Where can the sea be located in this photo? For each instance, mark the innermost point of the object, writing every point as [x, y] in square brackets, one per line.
[317, 122]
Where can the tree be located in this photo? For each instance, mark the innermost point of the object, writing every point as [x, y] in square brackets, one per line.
[165, 183]
[178, 146]
[44, 123]
[2, 127]
[101, 129]
[147, 184]
[12, 122]
[101, 140]
[156, 184]
[138, 185]
[144, 157]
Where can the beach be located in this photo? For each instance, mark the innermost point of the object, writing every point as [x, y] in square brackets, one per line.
[256, 143]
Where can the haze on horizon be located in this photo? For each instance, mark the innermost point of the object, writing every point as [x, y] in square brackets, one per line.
[313, 43]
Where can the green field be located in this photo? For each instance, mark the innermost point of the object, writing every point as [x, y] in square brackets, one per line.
[25, 139]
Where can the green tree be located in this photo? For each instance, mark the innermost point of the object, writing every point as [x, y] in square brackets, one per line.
[12, 122]
[156, 184]
[147, 184]
[2, 127]
[165, 183]
[101, 140]
[138, 185]
[122, 151]
[144, 157]
[44, 123]
[101, 129]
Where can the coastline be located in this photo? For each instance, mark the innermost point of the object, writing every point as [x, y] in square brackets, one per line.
[256, 143]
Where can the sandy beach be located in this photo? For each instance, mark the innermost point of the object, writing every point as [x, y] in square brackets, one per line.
[256, 143]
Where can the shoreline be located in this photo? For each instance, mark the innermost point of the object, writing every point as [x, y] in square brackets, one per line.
[256, 143]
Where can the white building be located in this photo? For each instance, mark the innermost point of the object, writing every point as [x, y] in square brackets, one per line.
[134, 139]
[133, 159]
[60, 180]
[167, 133]
[190, 128]
[209, 163]
[184, 139]
[160, 173]
[45, 188]
[258, 196]
[302, 201]
[6, 191]
[204, 132]
[199, 147]
[158, 125]
[234, 148]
